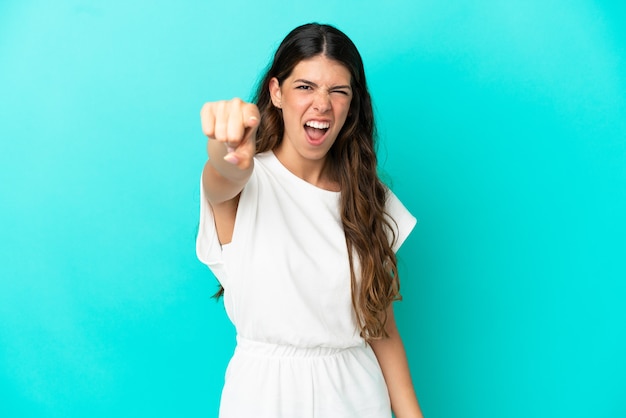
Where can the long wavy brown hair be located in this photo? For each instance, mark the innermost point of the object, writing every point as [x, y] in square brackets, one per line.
[352, 163]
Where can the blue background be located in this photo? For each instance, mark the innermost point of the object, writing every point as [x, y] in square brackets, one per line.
[503, 129]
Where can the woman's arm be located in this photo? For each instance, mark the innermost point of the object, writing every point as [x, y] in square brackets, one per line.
[230, 127]
[393, 362]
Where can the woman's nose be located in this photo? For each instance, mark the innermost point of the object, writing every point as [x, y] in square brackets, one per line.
[321, 102]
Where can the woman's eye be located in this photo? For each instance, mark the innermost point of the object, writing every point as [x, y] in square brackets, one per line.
[304, 87]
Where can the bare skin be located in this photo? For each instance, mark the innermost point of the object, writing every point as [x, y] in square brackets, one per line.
[231, 128]
[393, 362]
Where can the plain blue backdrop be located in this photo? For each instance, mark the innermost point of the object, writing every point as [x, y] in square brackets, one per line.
[502, 128]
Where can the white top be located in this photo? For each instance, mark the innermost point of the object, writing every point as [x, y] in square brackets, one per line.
[286, 274]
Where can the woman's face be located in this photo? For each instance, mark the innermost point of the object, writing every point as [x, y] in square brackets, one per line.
[315, 101]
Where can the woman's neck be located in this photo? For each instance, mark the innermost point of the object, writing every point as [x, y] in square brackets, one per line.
[311, 171]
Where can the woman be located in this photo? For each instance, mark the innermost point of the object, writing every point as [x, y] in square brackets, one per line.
[302, 234]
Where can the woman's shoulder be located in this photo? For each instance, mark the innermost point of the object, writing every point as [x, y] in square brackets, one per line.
[264, 157]
[402, 221]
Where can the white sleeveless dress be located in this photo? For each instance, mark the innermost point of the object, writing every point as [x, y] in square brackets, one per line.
[286, 280]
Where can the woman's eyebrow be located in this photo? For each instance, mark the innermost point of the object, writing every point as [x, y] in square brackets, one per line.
[312, 84]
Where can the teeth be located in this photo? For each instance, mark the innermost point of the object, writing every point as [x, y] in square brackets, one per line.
[318, 125]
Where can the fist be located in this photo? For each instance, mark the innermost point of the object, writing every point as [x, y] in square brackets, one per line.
[232, 123]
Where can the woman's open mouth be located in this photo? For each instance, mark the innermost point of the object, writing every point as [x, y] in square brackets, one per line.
[316, 131]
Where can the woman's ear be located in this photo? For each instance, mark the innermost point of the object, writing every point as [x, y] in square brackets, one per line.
[275, 92]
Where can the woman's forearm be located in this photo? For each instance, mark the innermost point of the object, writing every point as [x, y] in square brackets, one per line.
[392, 358]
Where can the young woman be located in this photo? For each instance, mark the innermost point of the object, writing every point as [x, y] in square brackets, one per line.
[301, 234]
